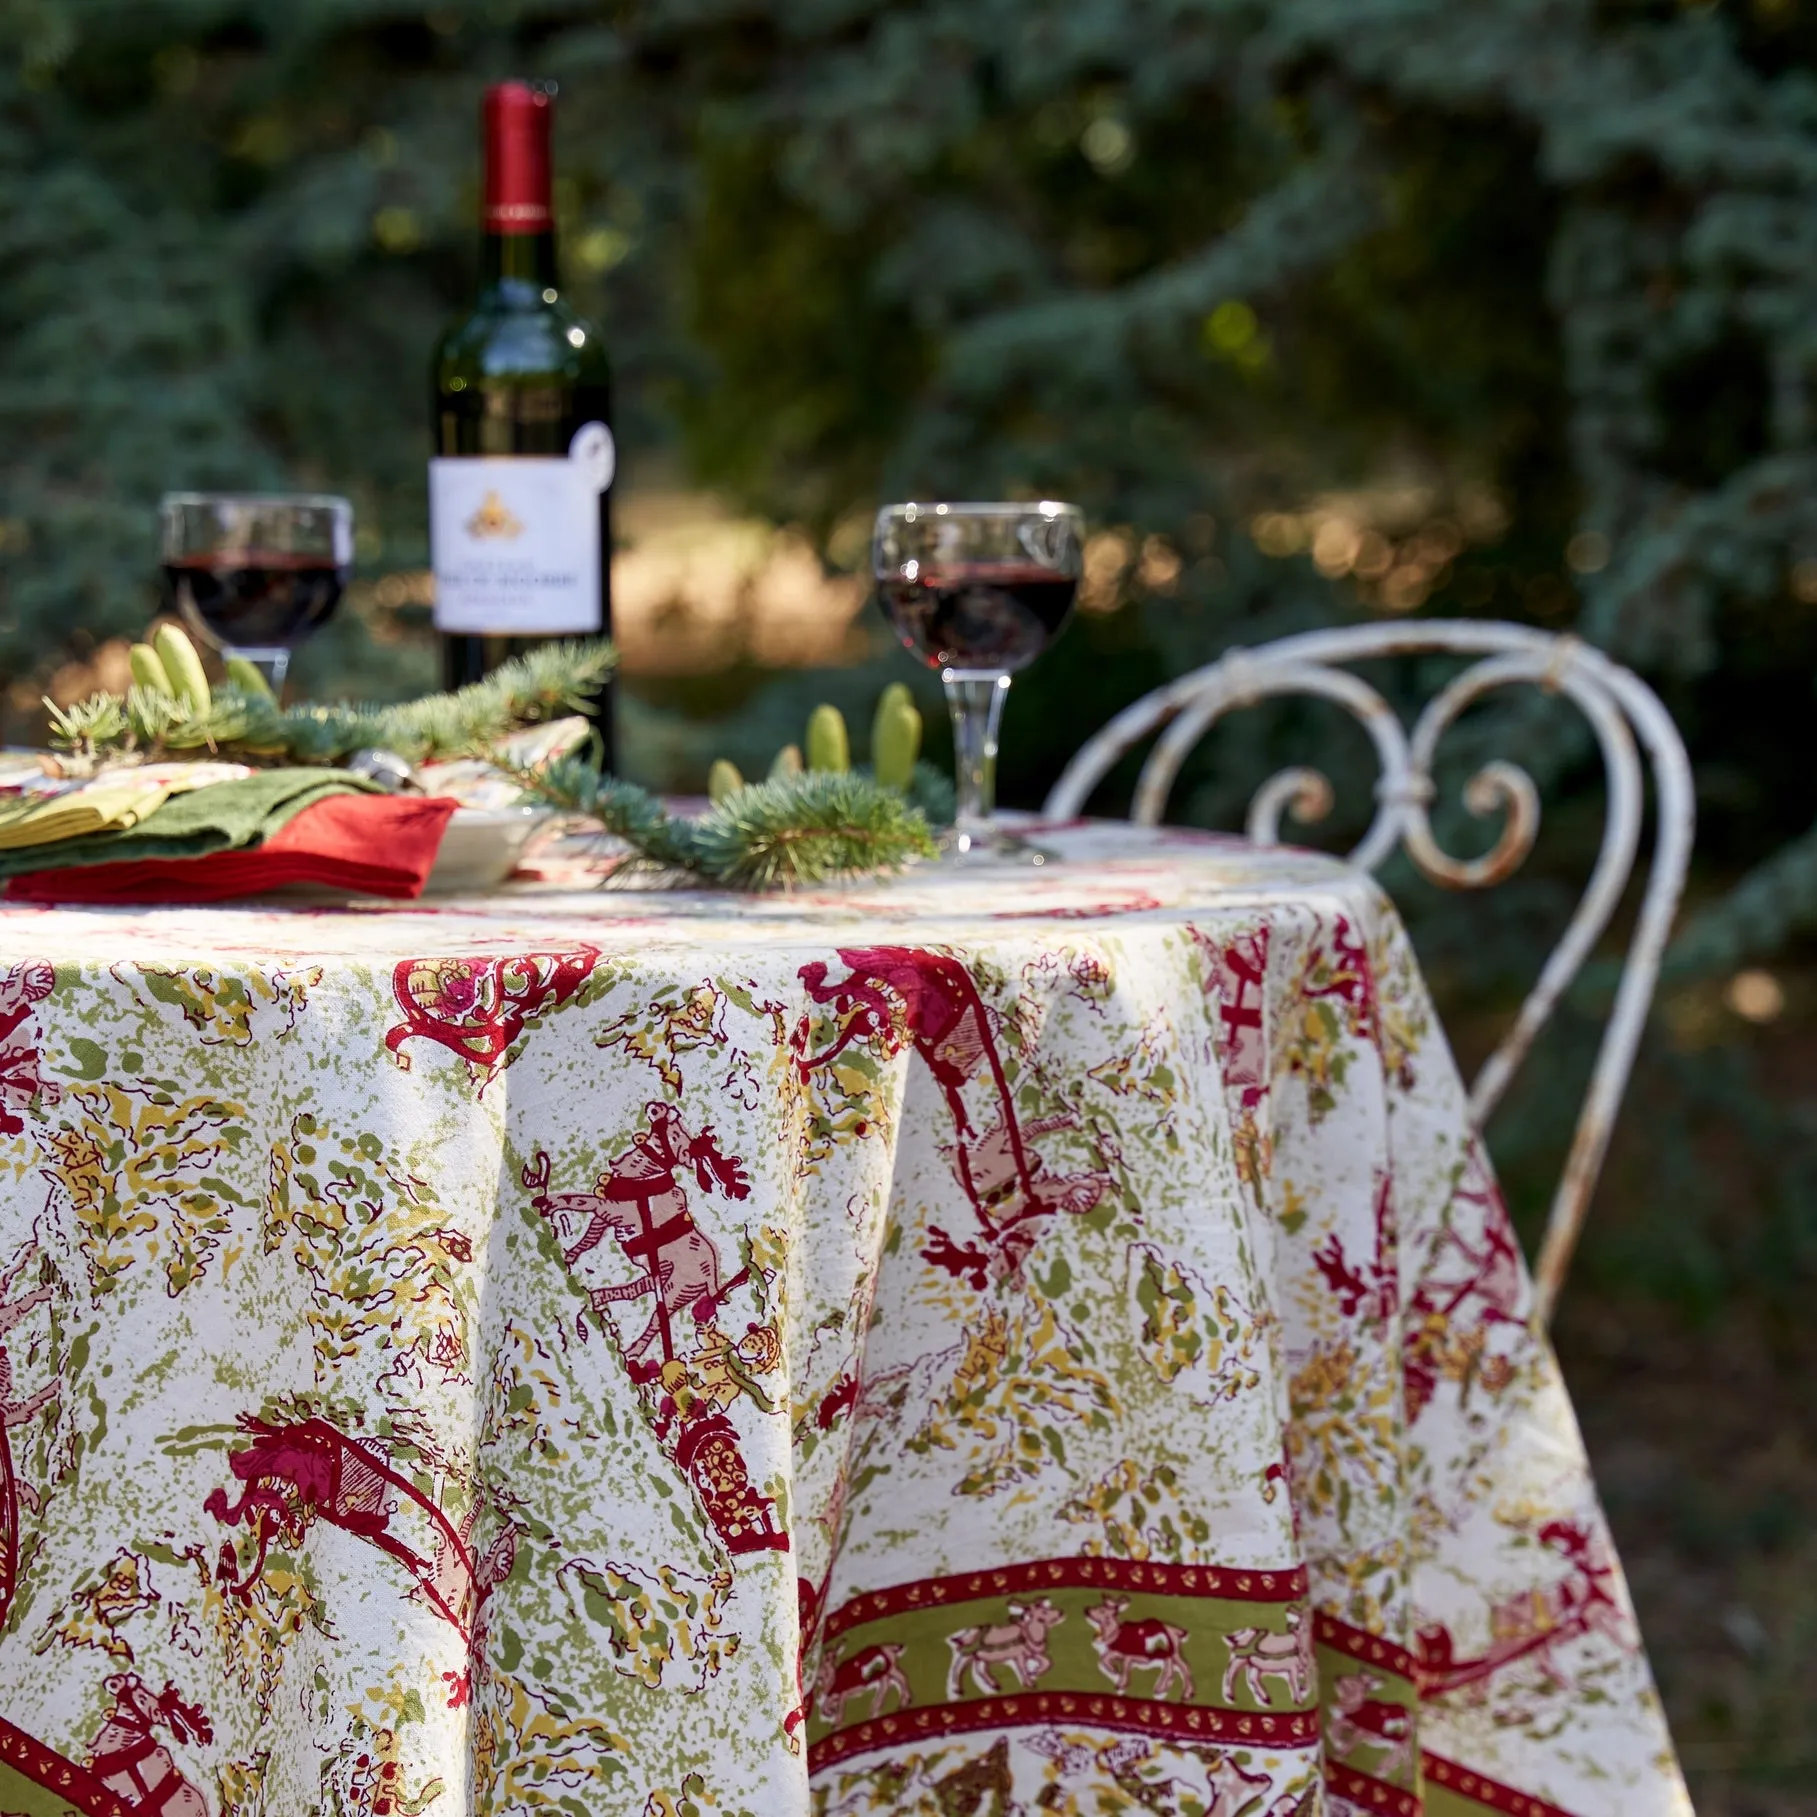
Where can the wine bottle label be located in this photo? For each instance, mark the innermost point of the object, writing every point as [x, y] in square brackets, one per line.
[514, 540]
[594, 450]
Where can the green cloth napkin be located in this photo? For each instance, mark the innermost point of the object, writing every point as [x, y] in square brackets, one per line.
[226, 816]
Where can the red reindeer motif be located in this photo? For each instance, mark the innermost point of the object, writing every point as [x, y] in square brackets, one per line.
[892, 995]
[874, 1672]
[640, 1201]
[1126, 1646]
[991, 1167]
[458, 1581]
[1259, 1654]
[897, 993]
[130, 1760]
[309, 1471]
[1019, 1643]
[1531, 1626]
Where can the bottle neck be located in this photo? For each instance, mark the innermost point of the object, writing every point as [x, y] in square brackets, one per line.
[517, 260]
[511, 262]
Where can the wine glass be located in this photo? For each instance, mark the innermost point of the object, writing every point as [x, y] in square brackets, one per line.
[255, 574]
[977, 592]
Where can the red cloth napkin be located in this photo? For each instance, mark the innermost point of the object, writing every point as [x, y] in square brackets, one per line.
[377, 845]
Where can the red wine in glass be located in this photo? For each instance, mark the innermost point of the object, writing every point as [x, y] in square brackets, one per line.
[978, 591]
[995, 616]
[256, 573]
[253, 599]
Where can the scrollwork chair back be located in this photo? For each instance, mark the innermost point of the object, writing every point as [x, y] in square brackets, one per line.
[1619, 707]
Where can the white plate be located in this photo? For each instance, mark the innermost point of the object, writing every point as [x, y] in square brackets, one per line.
[481, 847]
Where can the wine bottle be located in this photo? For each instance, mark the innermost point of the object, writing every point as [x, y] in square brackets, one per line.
[520, 486]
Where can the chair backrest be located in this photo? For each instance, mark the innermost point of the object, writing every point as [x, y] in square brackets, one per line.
[1618, 706]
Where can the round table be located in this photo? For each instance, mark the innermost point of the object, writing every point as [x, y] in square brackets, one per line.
[1040, 1341]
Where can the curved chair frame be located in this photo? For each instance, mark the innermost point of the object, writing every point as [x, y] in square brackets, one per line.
[1619, 707]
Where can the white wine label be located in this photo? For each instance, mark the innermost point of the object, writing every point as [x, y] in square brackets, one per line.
[594, 449]
[514, 541]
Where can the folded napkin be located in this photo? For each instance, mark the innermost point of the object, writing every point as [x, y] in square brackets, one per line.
[367, 844]
[48, 813]
[228, 815]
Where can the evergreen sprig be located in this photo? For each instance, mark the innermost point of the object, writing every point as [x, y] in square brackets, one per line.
[544, 683]
[810, 828]
[620, 808]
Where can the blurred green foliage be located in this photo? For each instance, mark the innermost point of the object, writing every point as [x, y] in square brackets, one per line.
[1524, 290]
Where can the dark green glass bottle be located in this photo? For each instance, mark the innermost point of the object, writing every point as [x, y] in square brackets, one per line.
[520, 490]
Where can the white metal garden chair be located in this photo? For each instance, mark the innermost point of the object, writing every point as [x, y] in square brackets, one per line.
[1618, 705]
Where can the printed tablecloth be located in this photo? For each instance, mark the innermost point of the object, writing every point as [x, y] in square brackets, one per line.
[1037, 1343]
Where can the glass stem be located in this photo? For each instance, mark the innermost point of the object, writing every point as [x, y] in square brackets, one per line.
[273, 664]
[974, 699]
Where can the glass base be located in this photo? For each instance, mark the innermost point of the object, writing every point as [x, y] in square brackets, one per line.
[978, 847]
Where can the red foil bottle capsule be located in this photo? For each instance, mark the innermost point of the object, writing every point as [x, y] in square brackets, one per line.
[517, 120]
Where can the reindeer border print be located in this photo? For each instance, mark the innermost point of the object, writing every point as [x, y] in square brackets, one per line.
[1194, 1654]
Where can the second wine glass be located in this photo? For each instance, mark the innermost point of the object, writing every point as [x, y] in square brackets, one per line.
[977, 591]
[255, 574]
